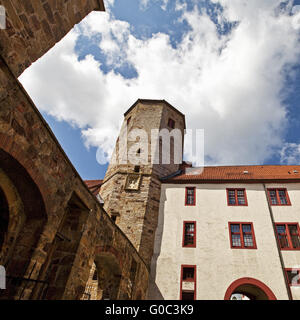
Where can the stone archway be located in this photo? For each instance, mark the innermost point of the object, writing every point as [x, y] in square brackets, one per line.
[25, 220]
[4, 218]
[105, 277]
[109, 275]
[12, 217]
[251, 288]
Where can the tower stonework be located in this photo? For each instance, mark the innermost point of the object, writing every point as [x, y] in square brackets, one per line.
[131, 191]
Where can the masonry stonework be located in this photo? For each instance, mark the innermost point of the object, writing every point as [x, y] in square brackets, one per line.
[53, 229]
[136, 211]
[34, 26]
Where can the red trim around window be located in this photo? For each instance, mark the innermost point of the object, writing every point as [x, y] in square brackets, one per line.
[242, 246]
[278, 198]
[294, 274]
[193, 245]
[188, 280]
[287, 234]
[194, 196]
[236, 196]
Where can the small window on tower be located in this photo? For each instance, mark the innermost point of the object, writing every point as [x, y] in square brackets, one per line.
[137, 169]
[171, 123]
[95, 275]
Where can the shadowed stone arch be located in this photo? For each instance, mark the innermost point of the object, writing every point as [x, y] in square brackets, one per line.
[105, 275]
[109, 272]
[4, 218]
[25, 221]
[12, 217]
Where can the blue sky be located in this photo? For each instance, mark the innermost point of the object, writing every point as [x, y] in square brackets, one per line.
[231, 68]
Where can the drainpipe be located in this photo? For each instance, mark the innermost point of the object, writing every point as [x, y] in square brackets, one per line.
[278, 247]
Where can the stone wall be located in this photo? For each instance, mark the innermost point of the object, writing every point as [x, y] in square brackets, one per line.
[56, 229]
[28, 144]
[34, 26]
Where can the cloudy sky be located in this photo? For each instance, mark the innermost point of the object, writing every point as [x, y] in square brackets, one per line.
[231, 66]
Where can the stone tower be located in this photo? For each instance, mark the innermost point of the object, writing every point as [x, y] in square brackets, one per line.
[131, 190]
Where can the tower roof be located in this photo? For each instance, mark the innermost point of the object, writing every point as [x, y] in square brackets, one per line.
[155, 101]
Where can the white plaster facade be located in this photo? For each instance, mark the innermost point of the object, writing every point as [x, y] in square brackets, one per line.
[218, 265]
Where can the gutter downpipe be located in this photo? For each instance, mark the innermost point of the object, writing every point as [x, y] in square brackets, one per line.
[278, 248]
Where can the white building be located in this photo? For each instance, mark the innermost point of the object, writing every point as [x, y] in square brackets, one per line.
[230, 230]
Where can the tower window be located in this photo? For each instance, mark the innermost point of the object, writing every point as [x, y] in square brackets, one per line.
[190, 196]
[236, 197]
[278, 197]
[114, 217]
[242, 235]
[189, 234]
[171, 123]
[137, 169]
[95, 275]
[288, 236]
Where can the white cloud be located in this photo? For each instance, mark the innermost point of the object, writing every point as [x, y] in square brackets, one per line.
[290, 153]
[230, 85]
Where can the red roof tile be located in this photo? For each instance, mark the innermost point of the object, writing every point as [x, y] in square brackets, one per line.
[236, 173]
[94, 185]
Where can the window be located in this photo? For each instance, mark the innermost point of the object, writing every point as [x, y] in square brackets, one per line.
[171, 123]
[236, 197]
[190, 196]
[288, 236]
[137, 169]
[188, 283]
[95, 275]
[278, 197]
[293, 276]
[189, 234]
[242, 235]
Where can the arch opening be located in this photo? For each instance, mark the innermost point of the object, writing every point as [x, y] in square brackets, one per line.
[104, 279]
[22, 219]
[249, 289]
[4, 217]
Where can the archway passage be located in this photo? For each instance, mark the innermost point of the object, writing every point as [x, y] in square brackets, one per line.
[4, 217]
[22, 219]
[104, 279]
[249, 289]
